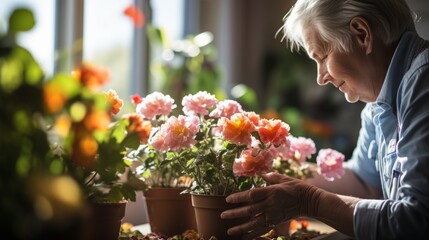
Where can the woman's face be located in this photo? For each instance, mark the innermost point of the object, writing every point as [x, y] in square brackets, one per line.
[352, 73]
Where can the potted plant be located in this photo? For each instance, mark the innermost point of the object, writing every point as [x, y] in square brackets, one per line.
[38, 201]
[215, 143]
[90, 144]
[165, 179]
[220, 147]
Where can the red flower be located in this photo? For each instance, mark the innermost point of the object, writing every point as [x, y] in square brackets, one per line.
[136, 99]
[136, 15]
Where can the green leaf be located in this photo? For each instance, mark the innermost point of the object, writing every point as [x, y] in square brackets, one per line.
[77, 111]
[22, 121]
[132, 141]
[136, 183]
[21, 20]
[34, 73]
[115, 194]
[128, 192]
[119, 130]
[10, 74]
[68, 85]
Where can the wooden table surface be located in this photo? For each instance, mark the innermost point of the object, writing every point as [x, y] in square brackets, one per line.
[328, 233]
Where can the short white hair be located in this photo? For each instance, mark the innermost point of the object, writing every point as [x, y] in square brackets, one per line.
[388, 19]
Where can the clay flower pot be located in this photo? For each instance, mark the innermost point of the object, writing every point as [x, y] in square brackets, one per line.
[105, 220]
[169, 212]
[207, 214]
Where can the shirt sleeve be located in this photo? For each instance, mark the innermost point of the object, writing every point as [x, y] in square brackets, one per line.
[362, 162]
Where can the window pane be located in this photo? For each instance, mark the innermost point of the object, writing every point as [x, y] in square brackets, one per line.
[107, 42]
[168, 14]
[40, 40]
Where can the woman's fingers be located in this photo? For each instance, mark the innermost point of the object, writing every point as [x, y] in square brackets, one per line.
[274, 178]
[252, 195]
[245, 211]
[255, 227]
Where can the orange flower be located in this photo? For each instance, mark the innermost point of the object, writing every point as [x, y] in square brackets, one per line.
[53, 97]
[91, 76]
[253, 117]
[190, 235]
[136, 15]
[96, 120]
[237, 129]
[139, 125]
[84, 149]
[304, 223]
[273, 131]
[115, 102]
[293, 226]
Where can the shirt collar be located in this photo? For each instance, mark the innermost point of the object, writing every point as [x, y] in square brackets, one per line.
[408, 47]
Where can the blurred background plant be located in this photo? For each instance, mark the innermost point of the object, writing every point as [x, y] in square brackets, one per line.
[62, 146]
[87, 141]
[37, 199]
[185, 66]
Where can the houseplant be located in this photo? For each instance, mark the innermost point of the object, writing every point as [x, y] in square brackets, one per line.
[165, 179]
[38, 201]
[90, 143]
[215, 143]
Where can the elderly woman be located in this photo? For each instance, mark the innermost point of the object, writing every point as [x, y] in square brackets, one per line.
[370, 51]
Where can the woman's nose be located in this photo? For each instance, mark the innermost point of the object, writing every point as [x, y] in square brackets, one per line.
[323, 76]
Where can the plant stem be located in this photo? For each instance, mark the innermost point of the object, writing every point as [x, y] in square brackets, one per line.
[92, 178]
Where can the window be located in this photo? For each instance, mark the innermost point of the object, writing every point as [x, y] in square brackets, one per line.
[107, 41]
[109, 37]
[39, 40]
[169, 15]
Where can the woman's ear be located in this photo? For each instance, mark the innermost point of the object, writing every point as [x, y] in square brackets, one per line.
[362, 33]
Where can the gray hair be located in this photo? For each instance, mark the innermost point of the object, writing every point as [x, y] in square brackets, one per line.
[330, 18]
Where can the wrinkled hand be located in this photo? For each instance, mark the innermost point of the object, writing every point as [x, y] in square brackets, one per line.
[285, 198]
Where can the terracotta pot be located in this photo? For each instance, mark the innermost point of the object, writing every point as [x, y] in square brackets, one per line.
[207, 214]
[105, 220]
[169, 212]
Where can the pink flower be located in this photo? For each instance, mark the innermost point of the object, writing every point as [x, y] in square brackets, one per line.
[226, 108]
[254, 161]
[198, 103]
[273, 131]
[176, 133]
[330, 164]
[300, 149]
[156, 104]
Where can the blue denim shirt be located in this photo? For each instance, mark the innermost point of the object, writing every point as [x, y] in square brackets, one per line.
[393, 149]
